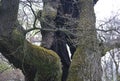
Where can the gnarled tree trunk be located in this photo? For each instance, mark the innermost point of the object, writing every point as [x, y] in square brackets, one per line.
[70, 22]
[86, 64]
[37, 63]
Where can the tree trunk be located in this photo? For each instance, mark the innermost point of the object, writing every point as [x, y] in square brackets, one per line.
[41, 64]
[56, 33]
[86, 64]
[37, 63]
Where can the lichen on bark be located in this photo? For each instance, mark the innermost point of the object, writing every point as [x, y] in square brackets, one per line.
[86, 64]
[46, 62]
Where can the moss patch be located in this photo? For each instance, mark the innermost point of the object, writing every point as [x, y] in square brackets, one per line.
[47, 62]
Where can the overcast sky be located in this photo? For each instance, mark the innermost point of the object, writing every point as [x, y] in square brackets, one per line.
[104, 8]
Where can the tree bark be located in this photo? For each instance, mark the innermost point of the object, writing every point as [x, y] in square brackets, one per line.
[37, 63]
[45, 64]
[53, 35]
[86, 64]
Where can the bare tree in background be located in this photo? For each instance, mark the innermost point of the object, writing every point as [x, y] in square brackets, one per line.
[109, 33]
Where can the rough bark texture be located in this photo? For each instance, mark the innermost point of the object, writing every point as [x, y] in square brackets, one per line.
[86, 64]
[54, 37]
[37, 63]
[47, 22]
[61, 17]
[41, 64]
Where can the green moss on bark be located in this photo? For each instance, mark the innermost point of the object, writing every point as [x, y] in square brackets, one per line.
[76, 64]
[46, 62]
